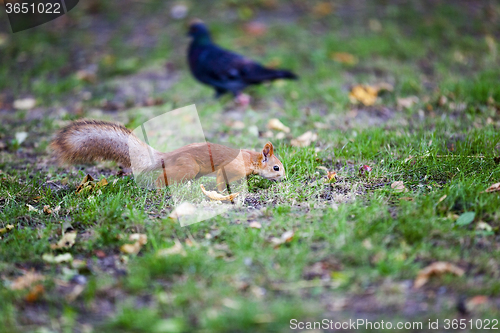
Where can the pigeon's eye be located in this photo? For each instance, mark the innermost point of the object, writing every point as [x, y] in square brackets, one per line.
[276, 168]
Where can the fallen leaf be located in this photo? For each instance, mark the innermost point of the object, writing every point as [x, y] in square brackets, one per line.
[367, 95]
[375, 25]
[47, 210]
[466, 218]
[399, 186]
[305, 139]
[32, 209]
[134, 248]
[407, 102]
[89, 184]
[77, 290]
[323, 9]
[344, 58]
[383, 86]
[6, 229]
[35, 293]
[492, 45]
[50, 258]
[218, 197]
[280, 136]
[442, 198]
[27, 280]
[21, 137]
[493, 188]
[184, 209]
[476, 301]
[238, 125]
[276, 124]
[179, 11]
[176, 249]
[285, 238]
[255, 225]
[255, 28]
[332, 176]
[483, 226]
[365, 170]
[86, 75]
[437, 268]
[24, 103]
[66, 241]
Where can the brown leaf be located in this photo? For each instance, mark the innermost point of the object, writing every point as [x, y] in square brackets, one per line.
[134, 248]
[406, 102]
[47, 210]
[323, 9]
[89, 184]
[27, 280]
[255, 28]
[218, 197]
[399, 186]
[332, 176]
[35, 293]
[437, 268]
[476, 301]
[305, 139]
[84, 183]
[493, 188]
[255, 225]
[286, 237]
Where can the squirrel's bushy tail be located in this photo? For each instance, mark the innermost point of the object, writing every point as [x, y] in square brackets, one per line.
[85, 141]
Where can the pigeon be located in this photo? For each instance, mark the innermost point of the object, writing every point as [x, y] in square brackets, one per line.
[224, 70]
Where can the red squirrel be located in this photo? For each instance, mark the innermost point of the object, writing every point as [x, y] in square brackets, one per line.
[86, 141]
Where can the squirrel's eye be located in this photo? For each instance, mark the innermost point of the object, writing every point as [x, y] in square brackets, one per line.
[276, 168]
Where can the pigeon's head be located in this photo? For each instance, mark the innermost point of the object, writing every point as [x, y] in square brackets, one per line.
[198, 30]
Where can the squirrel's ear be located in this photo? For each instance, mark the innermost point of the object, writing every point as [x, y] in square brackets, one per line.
[267, 151]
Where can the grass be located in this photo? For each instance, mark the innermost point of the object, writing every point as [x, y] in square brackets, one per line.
[358, 244]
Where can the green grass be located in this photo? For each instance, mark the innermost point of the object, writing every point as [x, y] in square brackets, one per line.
[358, 244]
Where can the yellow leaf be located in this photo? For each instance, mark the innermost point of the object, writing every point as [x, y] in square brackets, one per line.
[323, 9]
[367, 95]
[276, 124]
[139, 241]
[7, 228]
[332, 176]
[65, 257]
[67, 241]
[176, 249]
[344, 58]
[218, 197]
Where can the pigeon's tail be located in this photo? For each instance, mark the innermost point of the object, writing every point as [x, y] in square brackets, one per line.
[284, 74]
[267, 74]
